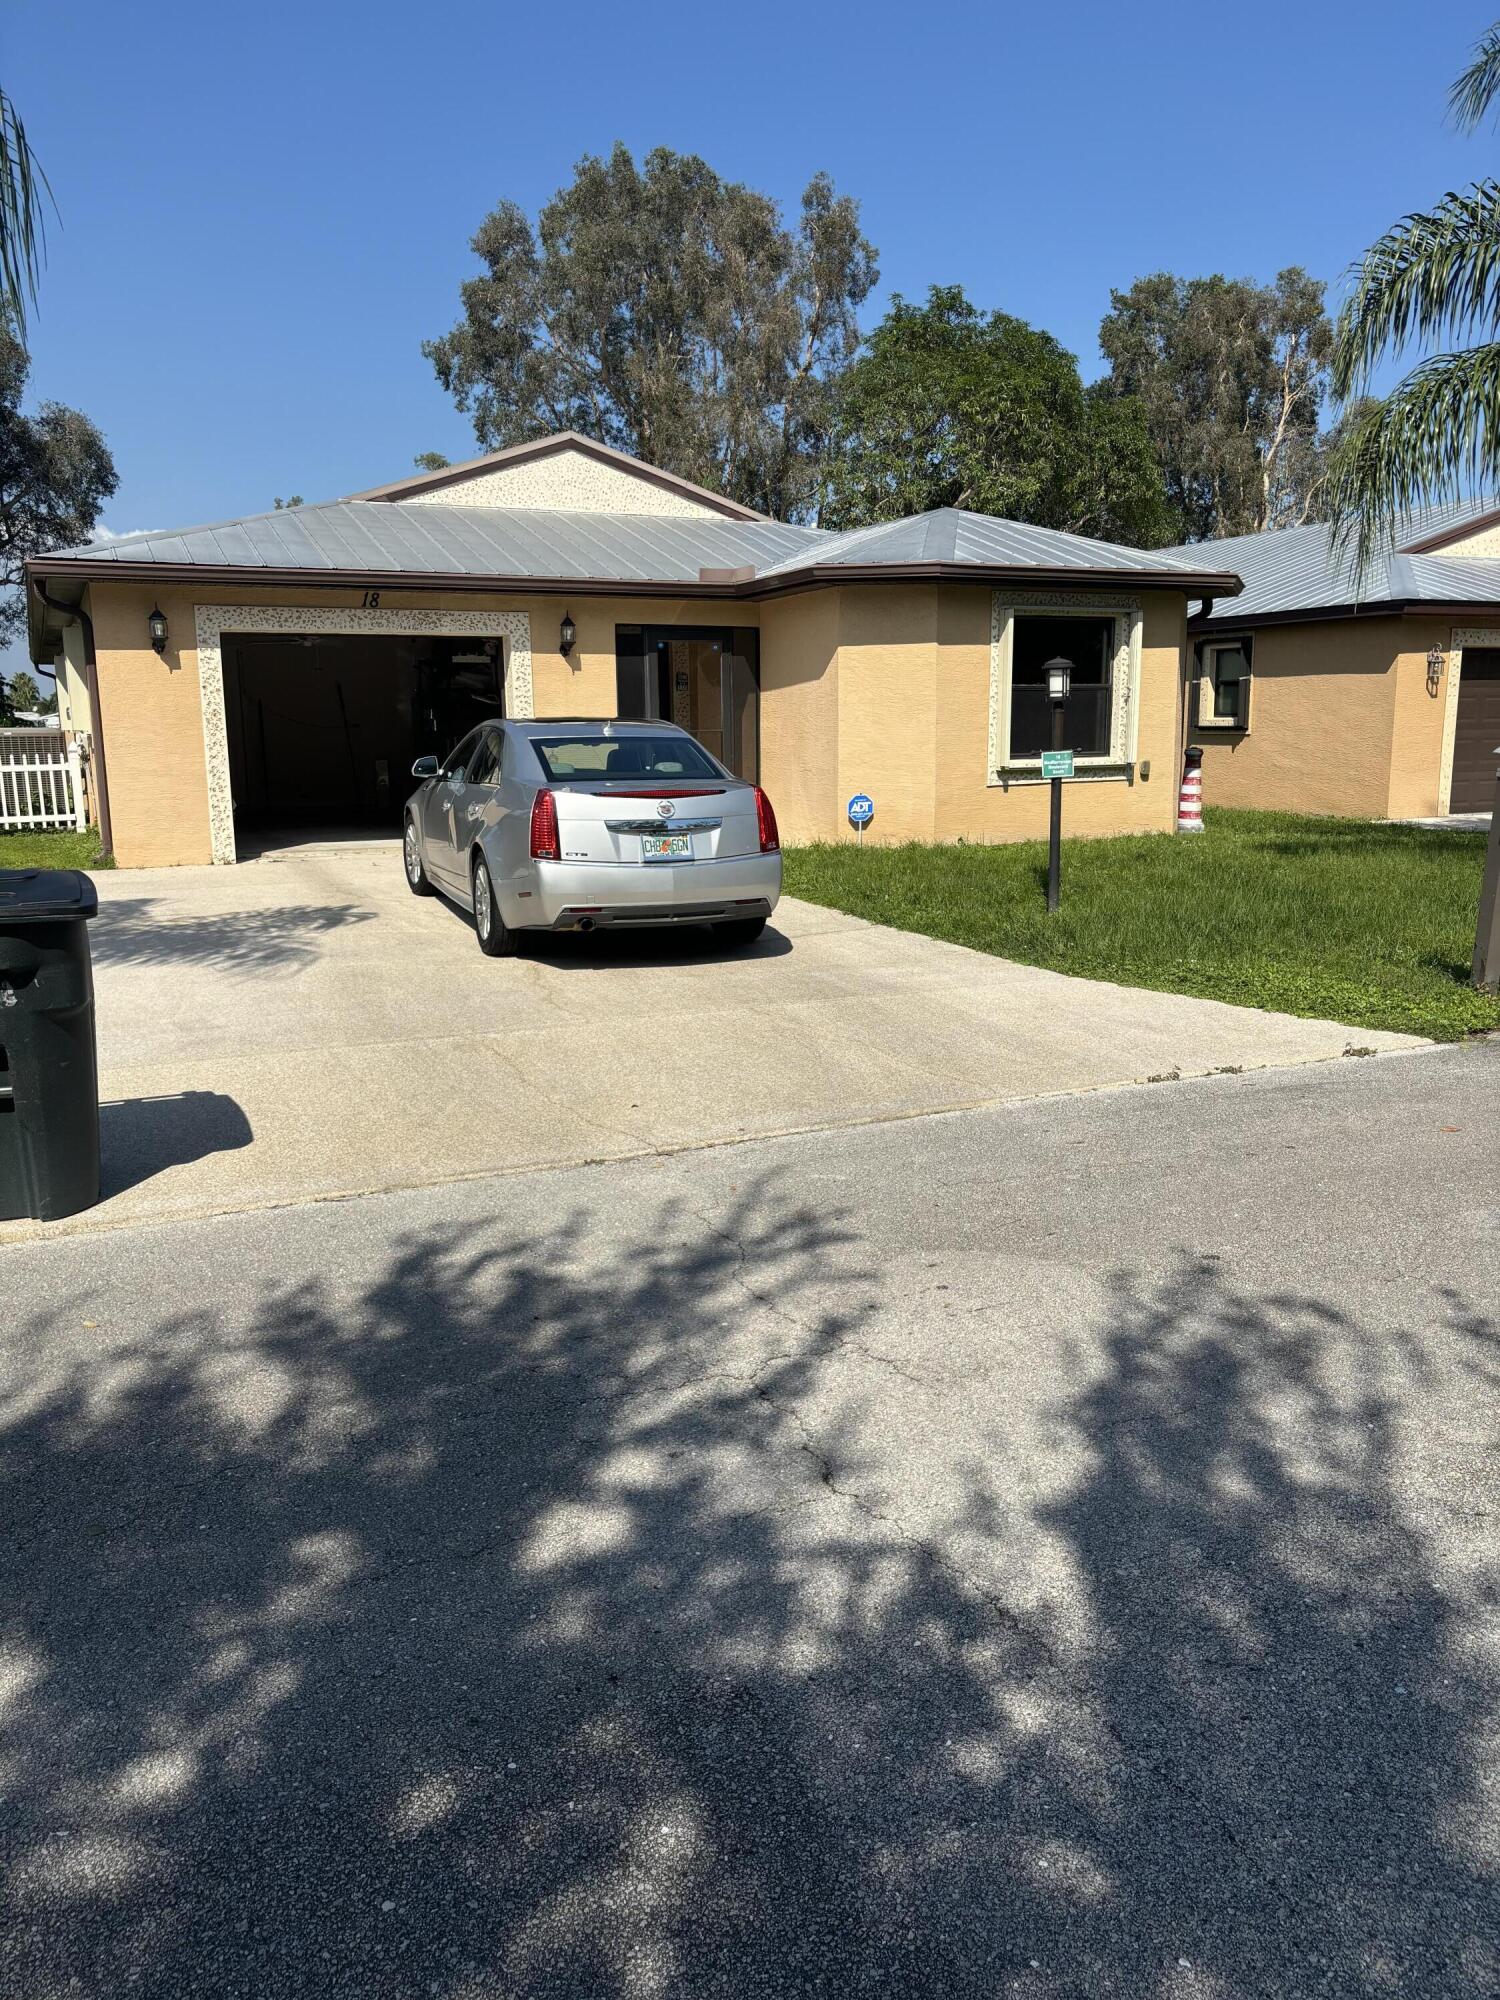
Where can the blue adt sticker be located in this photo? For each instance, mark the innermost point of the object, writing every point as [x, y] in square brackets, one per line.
[861, 809]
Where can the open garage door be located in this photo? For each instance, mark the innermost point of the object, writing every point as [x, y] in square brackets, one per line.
[323, 730]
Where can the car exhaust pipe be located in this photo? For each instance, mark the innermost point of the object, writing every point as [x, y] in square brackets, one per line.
[585, 923]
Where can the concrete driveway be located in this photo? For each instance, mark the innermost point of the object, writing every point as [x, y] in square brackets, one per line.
[301, 1027]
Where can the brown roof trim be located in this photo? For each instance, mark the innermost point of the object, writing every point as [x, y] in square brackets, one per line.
[1218, 583]
[1317, 614]
[810, 577]
[1455, 532]
[523, 454]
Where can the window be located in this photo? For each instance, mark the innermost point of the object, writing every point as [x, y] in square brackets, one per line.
[1089, 644]
[485, 769]
[590, 754]
[1225, 696]
[457, 760]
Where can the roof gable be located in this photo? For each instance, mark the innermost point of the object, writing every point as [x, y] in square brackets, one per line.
[565, 473]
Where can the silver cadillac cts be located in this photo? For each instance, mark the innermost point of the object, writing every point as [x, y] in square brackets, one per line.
[567, 825]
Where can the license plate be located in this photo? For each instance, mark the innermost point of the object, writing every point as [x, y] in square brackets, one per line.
[666, 847]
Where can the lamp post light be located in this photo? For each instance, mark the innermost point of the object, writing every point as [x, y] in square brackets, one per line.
[1059, 679]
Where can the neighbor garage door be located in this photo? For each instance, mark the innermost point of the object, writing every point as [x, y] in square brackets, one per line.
[1477, 734]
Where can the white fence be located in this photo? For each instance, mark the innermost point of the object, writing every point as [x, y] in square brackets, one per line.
[41, 786]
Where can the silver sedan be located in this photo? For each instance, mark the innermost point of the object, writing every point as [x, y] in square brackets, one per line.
[569, 826]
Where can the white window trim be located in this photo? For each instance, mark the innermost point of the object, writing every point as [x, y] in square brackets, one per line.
[1224, 642]
[512, 628]
[1125, 676]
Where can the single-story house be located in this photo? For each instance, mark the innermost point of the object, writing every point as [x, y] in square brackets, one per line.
[1375, 695]
[284, 670]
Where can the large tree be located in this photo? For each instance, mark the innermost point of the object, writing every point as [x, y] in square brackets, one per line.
[949, 406]
[671, 314]
[55, 475]
[1232, 377]
[1432, 278]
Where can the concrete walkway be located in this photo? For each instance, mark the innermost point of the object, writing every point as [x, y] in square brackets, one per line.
[302, 1027]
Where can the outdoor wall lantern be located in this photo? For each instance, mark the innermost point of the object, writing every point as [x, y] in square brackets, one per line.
[567, 635]
[156, 625]
[1435, 663]
[1059, 679]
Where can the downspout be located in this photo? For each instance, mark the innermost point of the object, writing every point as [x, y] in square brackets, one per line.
[91, 677]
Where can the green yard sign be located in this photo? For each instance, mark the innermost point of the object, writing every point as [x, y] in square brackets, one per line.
[1057, 763]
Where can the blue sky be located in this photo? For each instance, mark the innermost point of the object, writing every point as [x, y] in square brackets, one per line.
[266, 209]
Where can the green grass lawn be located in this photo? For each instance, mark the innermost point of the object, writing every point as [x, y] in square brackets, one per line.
[1337, 918]
[53, 850]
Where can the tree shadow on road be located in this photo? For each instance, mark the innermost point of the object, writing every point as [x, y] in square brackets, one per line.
[521, 1623]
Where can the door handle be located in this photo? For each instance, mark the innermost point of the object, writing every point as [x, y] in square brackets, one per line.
[474, 812]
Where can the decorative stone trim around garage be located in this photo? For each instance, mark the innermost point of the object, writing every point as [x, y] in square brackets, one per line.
[512, 628]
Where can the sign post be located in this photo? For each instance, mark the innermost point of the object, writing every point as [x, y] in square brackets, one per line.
[861, 812]
[1057, 764]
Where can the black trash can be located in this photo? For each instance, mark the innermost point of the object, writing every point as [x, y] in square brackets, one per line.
[49, 1079]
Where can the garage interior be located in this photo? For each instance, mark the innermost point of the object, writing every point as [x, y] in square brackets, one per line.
[323, 728]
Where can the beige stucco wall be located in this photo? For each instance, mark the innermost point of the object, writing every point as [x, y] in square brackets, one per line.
[153, 718]
[877, 688]
[799, 718]
[1341, 721]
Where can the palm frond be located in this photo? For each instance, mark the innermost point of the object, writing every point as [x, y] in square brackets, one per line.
[1432, 276]
[1474, 92]
[1436, 437]
[24, 193]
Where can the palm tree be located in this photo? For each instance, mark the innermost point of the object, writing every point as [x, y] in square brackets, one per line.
[1433, 277]
[23, 241]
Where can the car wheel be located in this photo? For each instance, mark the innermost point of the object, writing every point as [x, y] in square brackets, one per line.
[744, 930]
[496, 938]
[411, 861]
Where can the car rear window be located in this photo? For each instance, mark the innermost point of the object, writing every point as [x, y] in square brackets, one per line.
[594, 756]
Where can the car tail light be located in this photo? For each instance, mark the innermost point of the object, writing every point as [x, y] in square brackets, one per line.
[544, 841]
[770, 838]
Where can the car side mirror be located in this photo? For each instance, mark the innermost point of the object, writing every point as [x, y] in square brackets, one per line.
[425, 767]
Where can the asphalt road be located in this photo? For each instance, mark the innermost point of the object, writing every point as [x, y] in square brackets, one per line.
[1045, 1550]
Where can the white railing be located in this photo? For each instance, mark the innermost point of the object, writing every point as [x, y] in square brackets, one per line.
[42, 790]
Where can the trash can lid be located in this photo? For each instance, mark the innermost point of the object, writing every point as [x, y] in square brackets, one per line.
[45, 895]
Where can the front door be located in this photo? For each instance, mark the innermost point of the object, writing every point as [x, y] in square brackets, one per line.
[705, 679]
[1477, 734]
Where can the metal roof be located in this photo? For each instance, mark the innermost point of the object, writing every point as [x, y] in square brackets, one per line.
[951, 536]
[1287, 570]
[392, 537]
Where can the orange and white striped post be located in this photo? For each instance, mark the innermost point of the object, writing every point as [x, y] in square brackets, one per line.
[1190, 798]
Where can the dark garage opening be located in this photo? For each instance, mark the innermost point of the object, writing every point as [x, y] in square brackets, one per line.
[323, 730]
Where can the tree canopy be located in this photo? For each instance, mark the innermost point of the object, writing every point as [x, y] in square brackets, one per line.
[55, 475]
[1232, 377]
[671, 314]
[949, 406]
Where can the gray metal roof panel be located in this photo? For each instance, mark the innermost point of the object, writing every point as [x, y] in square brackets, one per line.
[476, 541]
[1297, 569]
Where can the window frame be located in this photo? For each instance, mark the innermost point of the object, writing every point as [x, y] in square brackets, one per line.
[490, 740]
[1208, 688]
[1119, 758]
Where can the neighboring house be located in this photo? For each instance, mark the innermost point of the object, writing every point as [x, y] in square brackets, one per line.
[1378, 698]
[284, 670]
